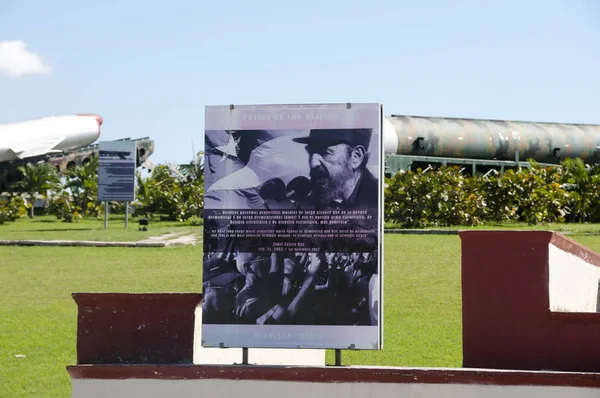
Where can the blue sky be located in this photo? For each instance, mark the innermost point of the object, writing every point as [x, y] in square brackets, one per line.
[149, 68]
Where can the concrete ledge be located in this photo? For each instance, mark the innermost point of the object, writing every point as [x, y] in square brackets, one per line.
[330, 374]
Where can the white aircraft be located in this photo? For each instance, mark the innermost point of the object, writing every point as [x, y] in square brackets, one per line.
[48, 135]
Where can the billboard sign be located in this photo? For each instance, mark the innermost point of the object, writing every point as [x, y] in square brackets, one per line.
[293, 226]
[116, 171]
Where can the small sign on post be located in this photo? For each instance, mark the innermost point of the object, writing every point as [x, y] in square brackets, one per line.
[116, 174]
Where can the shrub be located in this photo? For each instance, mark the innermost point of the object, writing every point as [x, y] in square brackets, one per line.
[12, 208]
[445, 197]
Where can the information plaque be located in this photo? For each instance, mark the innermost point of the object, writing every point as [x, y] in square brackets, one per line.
[116, 171]
[293, 226]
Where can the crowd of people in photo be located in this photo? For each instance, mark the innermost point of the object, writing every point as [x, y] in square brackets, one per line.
[306, 288]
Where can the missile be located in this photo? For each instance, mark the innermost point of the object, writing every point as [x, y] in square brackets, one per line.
[48, 135]
[490, 139]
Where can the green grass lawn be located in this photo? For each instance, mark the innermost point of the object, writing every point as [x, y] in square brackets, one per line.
[422, 313]
[38, 315]
[49, 228]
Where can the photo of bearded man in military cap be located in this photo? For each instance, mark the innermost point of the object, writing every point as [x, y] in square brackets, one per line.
[339, 175]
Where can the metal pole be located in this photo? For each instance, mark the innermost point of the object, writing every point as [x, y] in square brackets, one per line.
[244, 356]
[126, 214]
[105, 215]
[338, 357]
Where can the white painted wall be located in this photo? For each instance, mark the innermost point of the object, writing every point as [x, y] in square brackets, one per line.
[257, 356]
[132, 388]
[573, 282]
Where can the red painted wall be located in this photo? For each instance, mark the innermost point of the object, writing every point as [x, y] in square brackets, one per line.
[507, 323]
[143, 328]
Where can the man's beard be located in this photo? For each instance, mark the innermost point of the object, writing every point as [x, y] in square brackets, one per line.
[327, 188]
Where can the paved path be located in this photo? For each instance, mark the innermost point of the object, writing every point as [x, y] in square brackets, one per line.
[171, 239]
[155, 241]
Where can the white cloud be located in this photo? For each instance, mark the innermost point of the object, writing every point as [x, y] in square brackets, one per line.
[16, 60]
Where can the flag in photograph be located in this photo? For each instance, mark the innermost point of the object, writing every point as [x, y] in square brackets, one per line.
[241, 162]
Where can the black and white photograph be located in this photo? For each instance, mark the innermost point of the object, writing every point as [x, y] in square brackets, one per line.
[291, 169]
[306, 183]
[302, 288]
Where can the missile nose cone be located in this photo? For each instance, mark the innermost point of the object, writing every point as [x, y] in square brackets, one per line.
[98, 118]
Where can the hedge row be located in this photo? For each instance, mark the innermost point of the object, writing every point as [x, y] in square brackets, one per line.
[446, 197]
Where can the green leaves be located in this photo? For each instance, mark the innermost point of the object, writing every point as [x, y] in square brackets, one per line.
[172, 192]
[65, 208]
[431, 198]
[82, 182]
[12, 208]
[445, 197]
[36, 179]
[440, 197]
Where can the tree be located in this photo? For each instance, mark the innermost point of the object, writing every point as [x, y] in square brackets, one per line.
[194, 170]
[83, 184]
[176, 192]
[37, 179]
[193, 187]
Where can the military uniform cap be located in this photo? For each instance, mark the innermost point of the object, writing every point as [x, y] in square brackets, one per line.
[328, 137]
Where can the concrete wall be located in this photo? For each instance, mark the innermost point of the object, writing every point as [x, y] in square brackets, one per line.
[263, 389]
[573, 282]
[324, 382]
